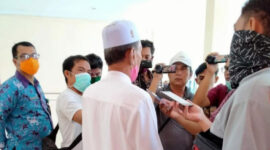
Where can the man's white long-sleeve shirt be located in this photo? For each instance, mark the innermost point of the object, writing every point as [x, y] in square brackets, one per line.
[118, 115]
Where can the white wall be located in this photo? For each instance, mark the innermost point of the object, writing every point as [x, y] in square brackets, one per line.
[54, 38]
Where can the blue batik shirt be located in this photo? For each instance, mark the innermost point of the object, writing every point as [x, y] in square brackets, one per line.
[24, 114]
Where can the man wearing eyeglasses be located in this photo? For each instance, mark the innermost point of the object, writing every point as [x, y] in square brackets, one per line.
[24, 113]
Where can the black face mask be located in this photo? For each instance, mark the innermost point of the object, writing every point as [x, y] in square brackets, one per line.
[250, 52]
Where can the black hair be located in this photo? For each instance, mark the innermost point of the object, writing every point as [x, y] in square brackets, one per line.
[15, 46]
[147, 43]
[95, 61]
[69, 63]
[259, 9]
[116, 54]
[201, 69]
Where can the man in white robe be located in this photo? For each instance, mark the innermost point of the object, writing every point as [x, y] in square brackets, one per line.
[118, 115]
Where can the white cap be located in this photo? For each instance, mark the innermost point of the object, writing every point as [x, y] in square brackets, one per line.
[119, 33]
[181, 57]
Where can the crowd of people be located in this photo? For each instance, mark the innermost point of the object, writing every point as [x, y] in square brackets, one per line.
[117, 112]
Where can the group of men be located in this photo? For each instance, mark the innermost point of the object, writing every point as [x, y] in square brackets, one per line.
[115, 114]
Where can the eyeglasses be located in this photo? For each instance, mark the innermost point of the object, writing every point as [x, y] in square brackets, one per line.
[27, 56]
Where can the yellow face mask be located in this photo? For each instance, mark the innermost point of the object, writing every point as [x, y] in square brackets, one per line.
[30, 66]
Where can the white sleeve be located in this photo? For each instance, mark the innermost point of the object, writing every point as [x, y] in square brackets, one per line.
[143, 129]
[69, 105]
[248, 126]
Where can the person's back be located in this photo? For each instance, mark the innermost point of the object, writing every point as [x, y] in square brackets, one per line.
[250, 107]
[120, 115]
[117, 115]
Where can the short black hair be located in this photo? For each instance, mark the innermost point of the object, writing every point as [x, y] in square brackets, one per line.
[116, 54]
[95, 61]
[201, 69]
[147, 43]
[259, 9]
[15, 46]
[69, 63]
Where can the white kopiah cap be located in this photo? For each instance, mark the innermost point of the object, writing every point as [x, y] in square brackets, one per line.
[119, 33]
[181, 57]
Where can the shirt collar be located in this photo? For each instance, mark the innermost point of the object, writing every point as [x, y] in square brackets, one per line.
[24, 81]
[120, 75]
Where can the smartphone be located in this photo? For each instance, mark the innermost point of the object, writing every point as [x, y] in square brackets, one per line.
[158, 99]
[172, 96]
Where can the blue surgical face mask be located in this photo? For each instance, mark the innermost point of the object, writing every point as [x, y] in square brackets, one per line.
[83, 80]
[228, 84]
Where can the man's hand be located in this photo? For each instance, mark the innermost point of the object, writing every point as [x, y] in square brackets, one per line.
[170, 108]
[193, 113]
[212, 68]
[173, 110]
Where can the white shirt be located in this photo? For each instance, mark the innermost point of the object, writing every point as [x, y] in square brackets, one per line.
[244, 122]
[118, 115]
[67, 104]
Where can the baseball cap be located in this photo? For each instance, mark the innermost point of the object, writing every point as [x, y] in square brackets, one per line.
[181, 57]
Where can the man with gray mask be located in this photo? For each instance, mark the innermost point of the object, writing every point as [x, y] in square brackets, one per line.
[243, 123]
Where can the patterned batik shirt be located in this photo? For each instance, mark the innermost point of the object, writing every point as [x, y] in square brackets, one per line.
[24, 115]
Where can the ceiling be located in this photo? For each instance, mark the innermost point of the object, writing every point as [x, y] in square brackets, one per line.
[80, 9]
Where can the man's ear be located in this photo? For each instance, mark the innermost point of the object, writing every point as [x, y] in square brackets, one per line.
[67, 73]
[14, 61]
[152, 58]
[216, 79]
[130, 56]
[196, 79]
[255, 24]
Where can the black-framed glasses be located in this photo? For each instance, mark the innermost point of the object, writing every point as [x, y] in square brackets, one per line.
[27, 56]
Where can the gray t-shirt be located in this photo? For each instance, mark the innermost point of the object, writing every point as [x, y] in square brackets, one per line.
[244, 122]
[173, 136]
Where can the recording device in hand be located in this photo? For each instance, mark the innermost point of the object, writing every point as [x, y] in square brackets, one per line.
[165, 69]
[146, 64]
[216, 59]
